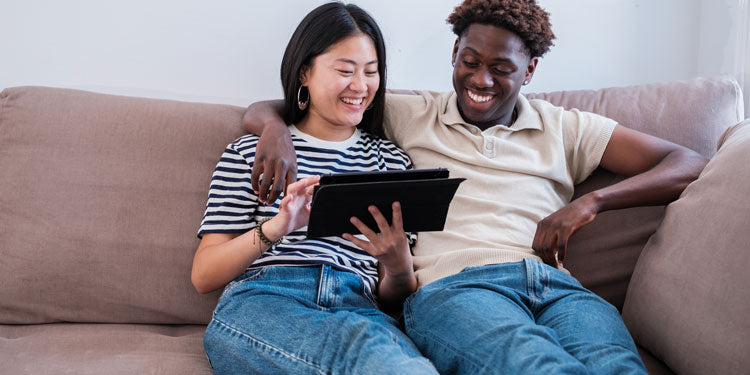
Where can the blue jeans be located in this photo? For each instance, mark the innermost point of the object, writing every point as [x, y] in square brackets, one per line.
[306, 320]
[518, 318]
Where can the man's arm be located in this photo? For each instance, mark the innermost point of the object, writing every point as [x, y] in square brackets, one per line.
[658, 172]
[275, 151]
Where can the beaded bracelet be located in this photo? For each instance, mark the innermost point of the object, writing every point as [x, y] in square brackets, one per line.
[263, 237]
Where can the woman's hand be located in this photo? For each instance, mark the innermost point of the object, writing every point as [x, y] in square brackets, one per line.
[554, 231]
[390, 246]
[294, 210]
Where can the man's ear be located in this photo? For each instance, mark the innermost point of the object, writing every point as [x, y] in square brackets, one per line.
[455, 52]
[530, 69]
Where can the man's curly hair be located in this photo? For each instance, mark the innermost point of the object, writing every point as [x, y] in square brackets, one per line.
[524, 18]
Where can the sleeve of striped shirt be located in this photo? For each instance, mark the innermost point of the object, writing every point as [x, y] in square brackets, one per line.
[231, 202]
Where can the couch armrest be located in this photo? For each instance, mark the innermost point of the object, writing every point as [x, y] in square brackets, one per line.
[687, 302]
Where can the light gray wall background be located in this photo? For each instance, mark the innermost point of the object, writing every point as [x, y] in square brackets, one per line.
[229, 51]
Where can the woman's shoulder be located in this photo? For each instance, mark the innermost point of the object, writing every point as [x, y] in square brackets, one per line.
[244, 143]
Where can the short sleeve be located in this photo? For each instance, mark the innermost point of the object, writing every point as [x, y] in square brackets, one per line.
[586, 137]
[393, 157]
[231, 202]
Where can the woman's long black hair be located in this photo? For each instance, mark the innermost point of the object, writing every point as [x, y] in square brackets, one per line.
[323, 27]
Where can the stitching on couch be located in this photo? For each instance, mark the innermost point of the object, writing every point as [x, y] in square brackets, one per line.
[269, 347]
[4, 97]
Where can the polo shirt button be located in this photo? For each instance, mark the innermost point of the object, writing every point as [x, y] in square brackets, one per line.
[488, 146]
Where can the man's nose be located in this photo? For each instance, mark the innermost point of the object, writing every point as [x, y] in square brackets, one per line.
[481, 78]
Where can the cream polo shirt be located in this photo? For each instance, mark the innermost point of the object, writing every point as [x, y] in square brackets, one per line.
[515, 176]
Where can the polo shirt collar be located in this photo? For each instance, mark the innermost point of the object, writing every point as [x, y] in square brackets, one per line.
[528, 118]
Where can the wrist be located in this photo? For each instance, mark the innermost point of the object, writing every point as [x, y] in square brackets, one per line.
[272, 230]
[404, 270]
[275, 125]
[594, 199]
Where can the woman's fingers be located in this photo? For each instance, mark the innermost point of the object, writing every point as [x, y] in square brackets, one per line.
[362, 244]
[303, 184]
[398, 222]
[364, 229]
[379, 219]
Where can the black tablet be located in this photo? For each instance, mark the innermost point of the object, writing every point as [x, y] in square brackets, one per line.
[424, 194]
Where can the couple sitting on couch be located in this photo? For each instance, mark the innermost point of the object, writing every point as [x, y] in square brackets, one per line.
[493, 294]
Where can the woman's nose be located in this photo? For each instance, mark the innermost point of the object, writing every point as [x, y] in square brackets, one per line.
[358, 83]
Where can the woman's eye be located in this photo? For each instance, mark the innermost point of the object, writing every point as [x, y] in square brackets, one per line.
[371, 73]
[345, 71]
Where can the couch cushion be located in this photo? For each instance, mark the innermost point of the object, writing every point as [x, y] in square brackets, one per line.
[653, 365]
[102, 349]
[692, 113]
[688, 299]
[100, 200]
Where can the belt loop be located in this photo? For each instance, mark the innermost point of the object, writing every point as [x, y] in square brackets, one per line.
[324, 286]
[529, 276]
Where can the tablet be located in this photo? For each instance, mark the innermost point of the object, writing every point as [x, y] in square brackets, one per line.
[424, 195]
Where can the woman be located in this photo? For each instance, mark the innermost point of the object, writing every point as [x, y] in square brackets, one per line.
[299, 305]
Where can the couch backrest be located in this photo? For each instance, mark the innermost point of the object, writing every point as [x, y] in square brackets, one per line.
[694, 114]
[100, 200]
[101, 196]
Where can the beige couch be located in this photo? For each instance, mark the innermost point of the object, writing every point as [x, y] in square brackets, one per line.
[101, 196]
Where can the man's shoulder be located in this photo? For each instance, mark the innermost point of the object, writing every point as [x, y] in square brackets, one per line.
[415, 98]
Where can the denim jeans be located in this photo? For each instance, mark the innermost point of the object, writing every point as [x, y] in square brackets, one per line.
[518, 318]
[306, 320]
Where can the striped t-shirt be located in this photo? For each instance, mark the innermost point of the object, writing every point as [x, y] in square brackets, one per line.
[233, 207]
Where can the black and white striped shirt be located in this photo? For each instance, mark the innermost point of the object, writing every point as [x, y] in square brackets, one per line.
[233, 207]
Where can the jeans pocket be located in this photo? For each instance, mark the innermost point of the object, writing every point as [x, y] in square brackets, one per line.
[249, 275]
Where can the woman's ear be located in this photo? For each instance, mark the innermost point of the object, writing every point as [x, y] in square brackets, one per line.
[303, 72]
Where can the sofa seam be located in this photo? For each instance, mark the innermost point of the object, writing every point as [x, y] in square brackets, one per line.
[739, 100]
[4, 97]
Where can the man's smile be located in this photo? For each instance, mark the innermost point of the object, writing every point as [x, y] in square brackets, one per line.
[479, 98]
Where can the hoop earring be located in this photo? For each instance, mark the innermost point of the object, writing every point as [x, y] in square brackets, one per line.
[302, 105]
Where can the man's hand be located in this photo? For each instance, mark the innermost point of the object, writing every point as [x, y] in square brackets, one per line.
[275, 159]
[275, 165]
[554, 231]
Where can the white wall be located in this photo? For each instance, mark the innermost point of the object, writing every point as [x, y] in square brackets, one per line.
[229, 51]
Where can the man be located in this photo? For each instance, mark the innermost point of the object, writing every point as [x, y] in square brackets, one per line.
[494, 296]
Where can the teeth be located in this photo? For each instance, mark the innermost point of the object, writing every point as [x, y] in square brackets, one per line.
[477, 98]
[352, 101]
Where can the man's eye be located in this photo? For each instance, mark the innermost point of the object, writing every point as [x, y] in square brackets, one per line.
[471, 64]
